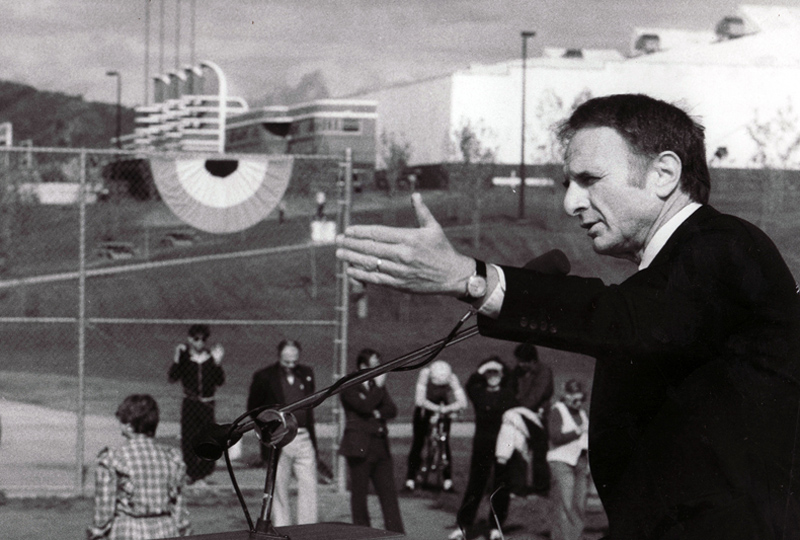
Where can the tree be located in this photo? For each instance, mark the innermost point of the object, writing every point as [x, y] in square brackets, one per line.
[777, 141]
[476, 168]
[549, 111]
[395, 153]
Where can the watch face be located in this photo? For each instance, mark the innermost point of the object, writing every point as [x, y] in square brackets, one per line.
[476, 286]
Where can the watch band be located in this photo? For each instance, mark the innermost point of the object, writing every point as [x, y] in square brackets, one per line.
[480, 271]
[480, 268]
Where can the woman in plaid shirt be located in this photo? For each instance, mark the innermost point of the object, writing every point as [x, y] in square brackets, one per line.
[138, 486]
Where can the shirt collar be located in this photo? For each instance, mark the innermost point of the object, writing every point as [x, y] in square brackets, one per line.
[665, 232]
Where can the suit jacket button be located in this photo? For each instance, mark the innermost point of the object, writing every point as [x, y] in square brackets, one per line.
[534, 325]
[553, 329]
[543, 326]
[523, 321]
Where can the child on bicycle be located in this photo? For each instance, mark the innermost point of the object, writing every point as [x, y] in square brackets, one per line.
[438, 395]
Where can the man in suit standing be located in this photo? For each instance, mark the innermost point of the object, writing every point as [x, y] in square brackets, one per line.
[283, 382]
[694, 411]
[365, 445]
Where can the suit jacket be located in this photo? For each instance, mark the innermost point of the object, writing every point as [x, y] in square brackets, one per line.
[694, 408]
[265, 389]
[361, 424]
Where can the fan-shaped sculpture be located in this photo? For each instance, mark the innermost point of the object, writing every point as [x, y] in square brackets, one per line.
[221, 194]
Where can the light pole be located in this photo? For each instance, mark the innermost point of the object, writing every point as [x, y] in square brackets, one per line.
[119, 105]
[525, 36]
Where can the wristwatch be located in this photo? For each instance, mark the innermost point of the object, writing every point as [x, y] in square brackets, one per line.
[476, 284]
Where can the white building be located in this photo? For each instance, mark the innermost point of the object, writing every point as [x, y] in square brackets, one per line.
[745, 70]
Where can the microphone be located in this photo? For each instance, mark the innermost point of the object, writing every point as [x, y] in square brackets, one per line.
[272, 426]
[552, 262]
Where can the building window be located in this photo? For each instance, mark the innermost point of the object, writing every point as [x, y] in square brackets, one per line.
[351, 125]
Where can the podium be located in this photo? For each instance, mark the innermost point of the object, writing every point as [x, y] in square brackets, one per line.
[314, 531]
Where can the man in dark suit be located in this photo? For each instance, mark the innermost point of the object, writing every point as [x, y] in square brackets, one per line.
[694, 412]
[287, 381]
[365, 445]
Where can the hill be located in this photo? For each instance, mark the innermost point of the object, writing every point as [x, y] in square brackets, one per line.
[54, 119]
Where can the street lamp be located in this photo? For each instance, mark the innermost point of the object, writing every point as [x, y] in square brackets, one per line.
[525, 36]
[119, 105]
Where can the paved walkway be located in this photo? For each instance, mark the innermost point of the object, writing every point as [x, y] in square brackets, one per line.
[38, 448]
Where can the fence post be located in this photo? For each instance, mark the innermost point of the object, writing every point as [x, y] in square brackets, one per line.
[80, 432]
[343, 307]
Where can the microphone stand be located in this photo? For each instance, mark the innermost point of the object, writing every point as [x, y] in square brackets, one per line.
[277, 427]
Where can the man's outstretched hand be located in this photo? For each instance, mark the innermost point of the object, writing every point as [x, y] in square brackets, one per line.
[420, 260]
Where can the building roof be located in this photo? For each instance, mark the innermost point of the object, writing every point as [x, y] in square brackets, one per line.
[771, 17]
[765, 49]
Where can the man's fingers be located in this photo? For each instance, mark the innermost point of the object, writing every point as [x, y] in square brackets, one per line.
[371, 247]
[424, 216]
[369, 263]
[378, 233]
[374, 278]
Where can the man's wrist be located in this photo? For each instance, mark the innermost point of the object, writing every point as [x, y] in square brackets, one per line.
[465, 269]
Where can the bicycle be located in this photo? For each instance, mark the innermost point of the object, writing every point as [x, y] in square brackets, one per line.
[436, 458]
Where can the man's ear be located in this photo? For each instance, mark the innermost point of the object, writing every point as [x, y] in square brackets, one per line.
[667, 167]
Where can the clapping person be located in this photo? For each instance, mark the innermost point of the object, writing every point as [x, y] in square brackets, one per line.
[437, 392]
[198, 368]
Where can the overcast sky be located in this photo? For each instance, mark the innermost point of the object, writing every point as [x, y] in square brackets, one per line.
[68, 45]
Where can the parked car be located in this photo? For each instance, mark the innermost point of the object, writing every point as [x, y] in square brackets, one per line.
[115, 250]
[178, 238]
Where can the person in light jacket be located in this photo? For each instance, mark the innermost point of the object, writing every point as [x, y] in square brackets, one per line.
[569, 461]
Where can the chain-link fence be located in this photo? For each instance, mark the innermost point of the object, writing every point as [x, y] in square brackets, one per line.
[97, 292]
[96, 297]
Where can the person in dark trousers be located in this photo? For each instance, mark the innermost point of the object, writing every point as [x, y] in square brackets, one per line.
[438, 392]
[287, 381]
[491, 392]
[200, 372]
[365, 445]
[695, 397]
[534, 389]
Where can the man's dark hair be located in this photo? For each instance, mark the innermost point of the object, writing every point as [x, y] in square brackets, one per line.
[362, 360]
[526, 352]
[141, 412]
[199, 330]
[288, 342]
[649, 126]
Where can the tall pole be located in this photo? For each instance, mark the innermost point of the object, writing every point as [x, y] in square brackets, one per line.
[80, 418]
[119, 104]
[146, 99]
[161, 39]
[193, 29]
[177, 36]
[525, 36]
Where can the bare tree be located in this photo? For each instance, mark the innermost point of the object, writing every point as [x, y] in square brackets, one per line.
[477, 164]
[777, 141]
[548, 112]
[396, 153]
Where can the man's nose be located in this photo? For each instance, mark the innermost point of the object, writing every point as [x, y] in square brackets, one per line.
[576, 199]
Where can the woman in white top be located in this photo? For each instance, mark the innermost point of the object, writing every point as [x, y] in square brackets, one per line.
[569, 461]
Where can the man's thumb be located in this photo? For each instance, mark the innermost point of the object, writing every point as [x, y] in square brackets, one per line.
[424, 216]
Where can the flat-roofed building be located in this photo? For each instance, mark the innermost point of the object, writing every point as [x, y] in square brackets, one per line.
[744, 71]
